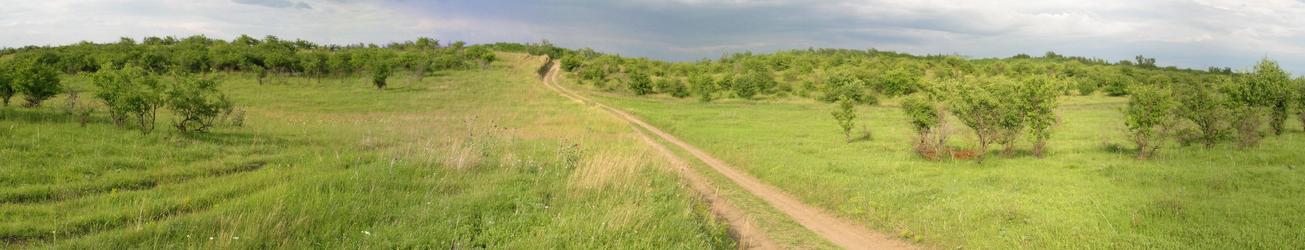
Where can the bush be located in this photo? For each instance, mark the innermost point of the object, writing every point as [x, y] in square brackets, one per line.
[845, 115]
[703, 86]
[1037, 98]
[1150, 118]
[130, 92]
[36, 81]
[1249, 120]
[752, 83]
[1300, 100]
[7, 88]
[980, 106]
[926, 119]
[1207, 109]
[197, 103]
[640, 84]
[677, 89]
[1117, 86]
[1267, 87]
[380, 74]
[899, 81]
[843, 86]
[570, 63]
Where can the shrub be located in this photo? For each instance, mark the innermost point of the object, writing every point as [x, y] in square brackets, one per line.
[570, 63]
[978, 105]
[703, 86]
[36, 81]
[899, 81]
[196, 102]
[843, 86]
[845, 115]
[926, 119]
[639, 83]
[1267, 87]
[1038, 105]
[1249, 120]
[380, 74]
[7, 90]
[1205, 107]
[1300, 100]
[752, 83]
[130, 92]
[1117, 85]
[1149, 117]
[1086, 86]
[677, 89]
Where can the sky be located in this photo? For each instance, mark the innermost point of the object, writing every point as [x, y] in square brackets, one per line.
[1184, 33]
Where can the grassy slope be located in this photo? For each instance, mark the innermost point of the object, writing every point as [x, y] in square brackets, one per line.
[469, 158]
[1084, 195]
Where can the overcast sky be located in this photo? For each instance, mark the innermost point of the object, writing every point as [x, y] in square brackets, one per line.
[1185, 33]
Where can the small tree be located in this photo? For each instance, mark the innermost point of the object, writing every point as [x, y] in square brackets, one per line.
[677, 89]
[36, 81]
[976, 105]
[7, 90]
[845, 115]
[703, 86]
[926, 119]
[380, 73]
[1038, 105]
[1150, 118]
[130, 92]
[640, 84]
[1300, 100]
[1268, 87]
[1204, 105]
[196, 102]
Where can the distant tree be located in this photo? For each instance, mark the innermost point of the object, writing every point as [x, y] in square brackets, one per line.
[315, 63]
[196, 102]
[845, 115]
[677, 89]
[751, 83]
[899, 81]
[640, 84]
[36, 81]
[703, 86]
[1150, 118]
[842, 85]
[7, 86]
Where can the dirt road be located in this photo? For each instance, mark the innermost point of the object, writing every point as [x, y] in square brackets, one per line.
[841, 232]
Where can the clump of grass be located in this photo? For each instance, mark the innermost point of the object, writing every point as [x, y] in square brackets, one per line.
[605, 168]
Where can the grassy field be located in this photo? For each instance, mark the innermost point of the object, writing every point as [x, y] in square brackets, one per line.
[480, 158]
[1090, 193]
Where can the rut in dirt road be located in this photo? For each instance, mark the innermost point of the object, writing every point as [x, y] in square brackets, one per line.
[842, 233]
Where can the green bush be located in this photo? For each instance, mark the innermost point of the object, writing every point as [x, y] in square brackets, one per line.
[1207, 108]
[845, 115]
[1300, 100]
[1117, 85]
[1150, 118]
[1037, 100]
[7, 88]
[843, 86]
[130, 92]
[380, 74]
[981, 105]
[926, 118]
[703, 86]
[640, 84]
[196, 102]
[36, 81]
[899, 81]
[1267, 87]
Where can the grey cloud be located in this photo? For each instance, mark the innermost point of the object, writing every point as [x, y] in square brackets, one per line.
[276, 4]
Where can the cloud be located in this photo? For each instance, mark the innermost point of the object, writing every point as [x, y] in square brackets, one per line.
[276, 3]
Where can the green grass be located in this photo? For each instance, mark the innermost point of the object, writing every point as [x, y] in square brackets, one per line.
[1085, 194]
[480, 158]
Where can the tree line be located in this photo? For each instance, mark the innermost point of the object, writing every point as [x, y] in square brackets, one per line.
[1001, 100]
[134, 80]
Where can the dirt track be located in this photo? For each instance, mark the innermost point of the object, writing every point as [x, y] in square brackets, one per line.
[842, 233]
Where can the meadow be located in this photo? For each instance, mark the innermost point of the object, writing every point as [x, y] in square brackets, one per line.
[1089, 192]
[483, 158]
